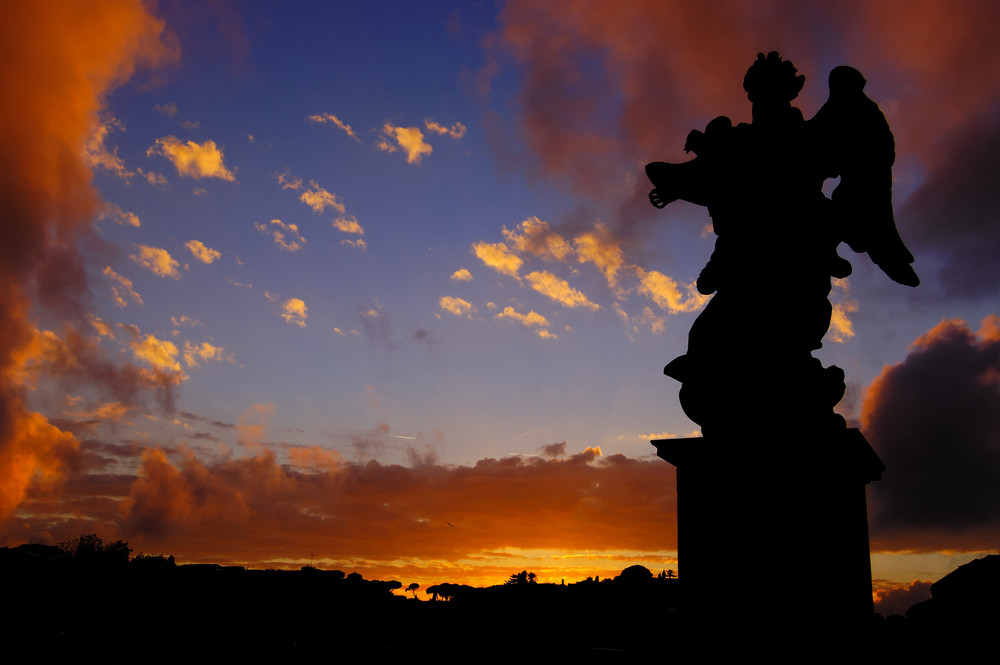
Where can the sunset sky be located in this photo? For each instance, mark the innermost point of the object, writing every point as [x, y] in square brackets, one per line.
[377, 286]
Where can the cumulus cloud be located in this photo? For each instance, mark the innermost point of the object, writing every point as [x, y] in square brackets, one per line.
[410, 139]
[348, 224]
[319, 199]
[157, 353]
[461, 275]
[285, 236]
[667, 294]
[122, 288]
[559, 290]
[157, 260]
[934, 419]
[456, 306]
[293, 311]
[194, 160]
[499, 257]
[456, 131]
[337, 122]
[201, 252]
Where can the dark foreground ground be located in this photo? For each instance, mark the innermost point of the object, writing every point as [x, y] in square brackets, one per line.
[59, 610]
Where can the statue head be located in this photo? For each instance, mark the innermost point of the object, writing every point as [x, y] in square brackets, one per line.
[846, 80]
[772, 82]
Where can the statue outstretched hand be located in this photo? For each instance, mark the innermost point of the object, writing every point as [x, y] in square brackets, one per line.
[660, 198]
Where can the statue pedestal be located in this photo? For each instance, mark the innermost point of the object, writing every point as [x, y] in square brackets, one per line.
[774, 533]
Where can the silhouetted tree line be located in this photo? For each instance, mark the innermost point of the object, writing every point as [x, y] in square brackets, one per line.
[88, 601]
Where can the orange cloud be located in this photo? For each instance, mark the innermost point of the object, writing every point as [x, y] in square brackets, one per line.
[559, 290]
[456, 306]
[357, 242]
[599, 248]
[319, 199]
[461, 275]
[529, 320]
[250, 505]
[157, 260]
[59, 64]
[195, 160]
[330, 118]
[410, 139]
[841, 328]
[498, 256]
[456, 131]
[159, 354]
[348, 224]
[293, 311]
[195, 354]
[201, 252]
[534, 236]
[122, 288]
[100, 157]
[667, 294]
[121, 217]
[285, 236]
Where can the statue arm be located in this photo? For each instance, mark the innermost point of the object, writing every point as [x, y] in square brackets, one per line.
[683, 181]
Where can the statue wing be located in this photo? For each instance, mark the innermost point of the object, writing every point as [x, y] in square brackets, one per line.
[857, 144]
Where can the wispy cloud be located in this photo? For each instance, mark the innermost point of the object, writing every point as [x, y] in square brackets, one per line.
[456, 131]
[358, 243]
[559, 290]
[530, 320]
[323, 118]
[195, 354]
[841, 328]
[668, 294]
[122, 288]
[121, 217]
[168, 109]
[285, 236]
[99, 156]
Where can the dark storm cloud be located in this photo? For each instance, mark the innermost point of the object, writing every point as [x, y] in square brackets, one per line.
[935, 421]
[957, 213]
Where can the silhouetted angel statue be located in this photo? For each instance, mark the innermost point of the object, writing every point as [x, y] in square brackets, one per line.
[750, 350]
